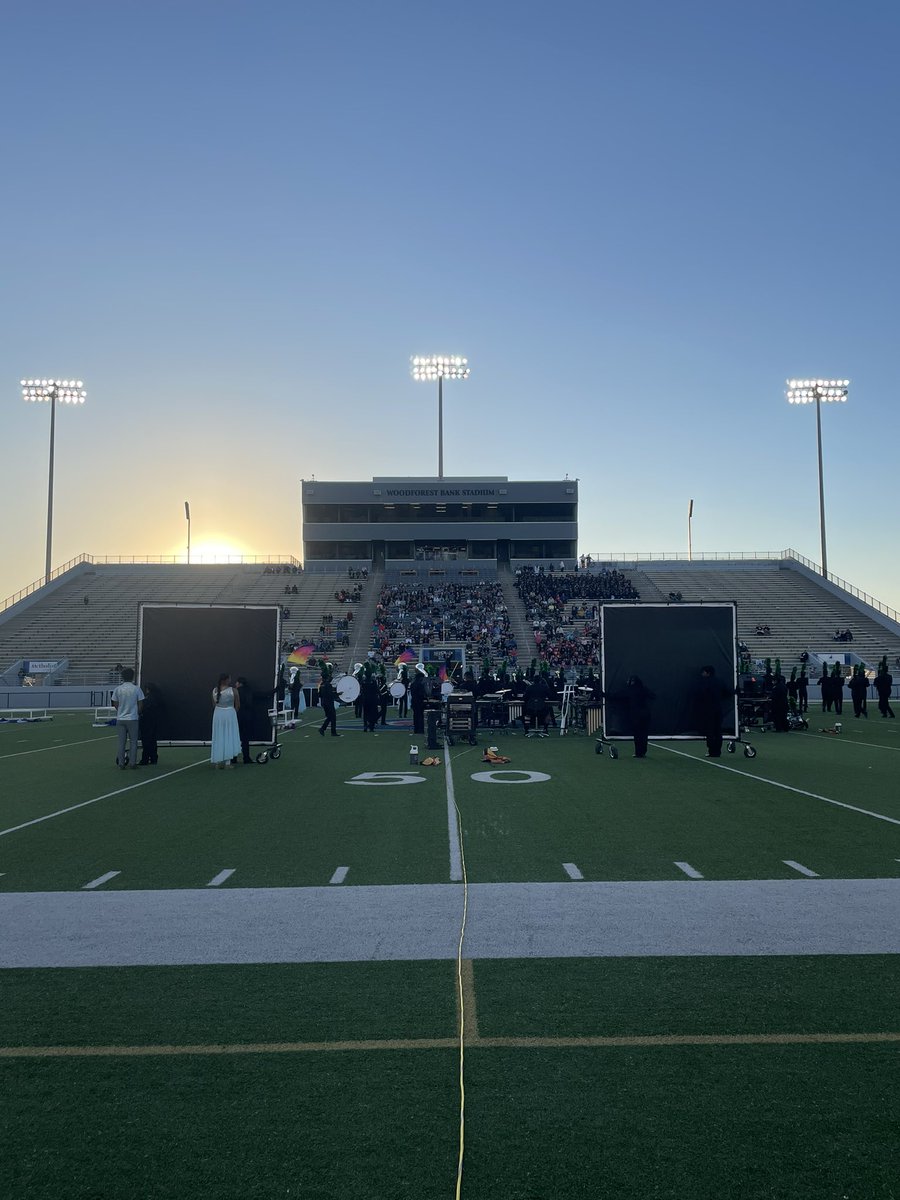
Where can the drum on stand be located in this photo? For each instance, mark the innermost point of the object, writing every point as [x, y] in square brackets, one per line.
[446, 688]
[347, 688]
[397, 689]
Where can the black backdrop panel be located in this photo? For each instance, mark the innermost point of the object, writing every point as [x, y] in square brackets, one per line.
[183, 650]
[666, 645]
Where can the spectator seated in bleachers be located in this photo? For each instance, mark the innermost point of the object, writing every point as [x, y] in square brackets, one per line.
[842, 635]
[424, 614]
[763, 631]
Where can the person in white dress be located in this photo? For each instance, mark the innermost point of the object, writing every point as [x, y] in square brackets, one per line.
[226, 736]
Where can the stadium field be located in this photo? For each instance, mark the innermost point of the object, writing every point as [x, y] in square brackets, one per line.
[677, 976]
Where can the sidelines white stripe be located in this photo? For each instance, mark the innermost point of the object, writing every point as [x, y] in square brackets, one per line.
[866, 812]
[95, 883]
[221, 877]
[795, 866]
[572, 871]
[453, 831]
[690, 871]
[872, 745]
[119, 791]
[18, 753]
[340, 875]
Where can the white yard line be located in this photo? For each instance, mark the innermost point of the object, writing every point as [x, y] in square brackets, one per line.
[872, 745]
[95, 883]
[690, 871]
[795, 866]
[866, 812]
[119, 791]
[221, 877]
[453, 830]
[572, 871]
[65, 746]
[340, 875]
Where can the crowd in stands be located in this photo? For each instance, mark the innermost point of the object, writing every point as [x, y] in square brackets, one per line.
[842, 635]
[763, 631]
[563, 586]
[282, 569]
[567, 634]
[408, 614]
[358, 573]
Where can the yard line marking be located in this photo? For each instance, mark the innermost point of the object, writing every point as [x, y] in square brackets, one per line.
[866, 812]
[690, 871]
[789, 862]
[340, 875]
[453, 832]
[221, 877]
[119, 791]
[873, 745]
[95, 883]
[43, 749]
[521, 1043]
[572, 871]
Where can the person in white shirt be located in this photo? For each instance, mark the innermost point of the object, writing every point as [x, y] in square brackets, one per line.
[127, 700]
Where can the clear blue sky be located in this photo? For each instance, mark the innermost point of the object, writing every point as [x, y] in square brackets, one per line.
[236, 220]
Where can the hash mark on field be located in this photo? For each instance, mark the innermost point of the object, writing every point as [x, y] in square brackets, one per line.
[95, 883]
[572, 871]
[690, 871]
[340, 875]
[789, 862]
[221, 877]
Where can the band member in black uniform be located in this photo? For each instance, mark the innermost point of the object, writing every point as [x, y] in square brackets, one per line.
[636, 699]
[417, 692]
[884, 681]
[826, 689]
[802, 691]
[536, 705]
[357, 703]
[326, 699]
[245, 717]
[149, 724]
[837, 687]
[859, 689]
[403, 701]
[780, 698]
[708, 702]
[368, 692]
[384, 698]
[296, 688]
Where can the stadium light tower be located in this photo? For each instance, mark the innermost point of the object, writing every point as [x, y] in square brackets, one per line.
[439, 367]
[56, 391]
[818, 391]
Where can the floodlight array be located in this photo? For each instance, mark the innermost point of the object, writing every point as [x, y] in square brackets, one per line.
[808, 391]
[67, 391]
[439, 366]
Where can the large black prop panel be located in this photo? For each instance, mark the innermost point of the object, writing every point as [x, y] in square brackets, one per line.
[184, 648]
[666, 645]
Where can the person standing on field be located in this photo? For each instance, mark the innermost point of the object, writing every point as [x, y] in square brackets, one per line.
[127, 700]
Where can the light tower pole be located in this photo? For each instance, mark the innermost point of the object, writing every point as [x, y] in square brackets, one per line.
[818, 391]
[56, 391]
[187, 515]
[439, 367]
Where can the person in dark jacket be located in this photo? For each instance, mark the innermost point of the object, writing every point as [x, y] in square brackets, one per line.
[149, 725]
[635, 700]
[884, 682]
[780, 697]
[536, 705]
[837, 688]
[296, 688]
[245, 718]
[802, 691]
[326, 699]
[368, 692]
[708, 704]
[827, 690]
[859, 690]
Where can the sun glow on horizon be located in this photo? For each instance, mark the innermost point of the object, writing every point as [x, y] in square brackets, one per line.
[215, 549]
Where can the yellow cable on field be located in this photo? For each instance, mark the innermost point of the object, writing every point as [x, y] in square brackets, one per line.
[462, 1006]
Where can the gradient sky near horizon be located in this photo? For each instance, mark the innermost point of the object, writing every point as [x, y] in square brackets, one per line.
[236, 221]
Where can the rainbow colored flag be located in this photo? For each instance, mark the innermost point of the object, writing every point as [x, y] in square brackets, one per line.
[406, 657]
[442, 673]
[301, 655]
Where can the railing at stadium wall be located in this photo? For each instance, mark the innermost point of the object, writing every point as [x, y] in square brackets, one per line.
[614, 559]
[275, 560]
[608, 558]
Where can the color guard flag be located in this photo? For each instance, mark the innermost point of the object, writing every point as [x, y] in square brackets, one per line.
[301, 655]
[406, 657]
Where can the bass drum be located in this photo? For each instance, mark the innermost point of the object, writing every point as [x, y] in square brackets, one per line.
[347, 688]
[397, 689]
